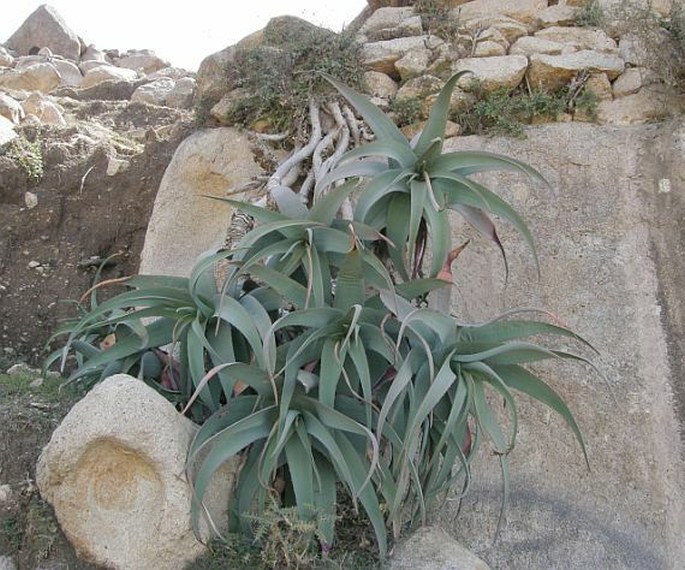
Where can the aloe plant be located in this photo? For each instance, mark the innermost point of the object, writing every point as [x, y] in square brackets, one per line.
[316, 360]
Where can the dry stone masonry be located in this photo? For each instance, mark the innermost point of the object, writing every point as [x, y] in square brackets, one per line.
[505, 43]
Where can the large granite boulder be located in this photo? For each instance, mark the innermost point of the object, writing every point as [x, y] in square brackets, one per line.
[114, 471]
[41, 77]
[524, 11]
[492, 73]
[431, 548]
[45, 28]
[184, 221]
[554, 71]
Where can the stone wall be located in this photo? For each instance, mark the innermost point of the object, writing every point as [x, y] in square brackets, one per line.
[610, 246]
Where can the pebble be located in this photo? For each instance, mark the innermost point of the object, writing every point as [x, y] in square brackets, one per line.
[33, 264]
[31, 200]
[5, 493]
[7, 563]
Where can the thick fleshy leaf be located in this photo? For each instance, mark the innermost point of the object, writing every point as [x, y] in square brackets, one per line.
[326, 208]
[289, 203]
[259, 213]
[222, 447]
[398, 225]
[160, 332]
[485, 226]
[472, 161]
[460, 190]
[524, 381]
[437, 119]
[510, 353]
[400, 152]
[357, 169]
[387, 182]
[349, 290]
[499, 331]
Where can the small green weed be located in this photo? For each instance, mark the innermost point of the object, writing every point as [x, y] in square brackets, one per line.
[590, 15]
[12, 532]
[280, 76]
[28, 155]
[504, 112]
[436, 18]
[20, 385]
[283, 539]
[407, 110]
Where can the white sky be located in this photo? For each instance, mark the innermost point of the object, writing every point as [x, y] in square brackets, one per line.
[183, 32]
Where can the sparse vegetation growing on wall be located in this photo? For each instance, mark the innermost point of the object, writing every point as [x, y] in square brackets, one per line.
[278, 77]
[659, 41]
[28, 154]
[505, 112]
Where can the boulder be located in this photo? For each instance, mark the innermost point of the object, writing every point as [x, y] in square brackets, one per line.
[489, 49]
[208, 163]
[630, 81]
[172, 72]
[380, 85]
[661, 7]
[551, 72]
[381, 56]
[45, 28]
[529, 45]
[113, 90]
[6, 60]
[104, 72]
[459, 101]
[645, 105]
[413, 63]
[92, 53]
[142, 61]
[6, 130]
[155, 92]
[632, 50]
[45, 110]
[419, 87]
[492, 73]
[390, 23]
[11, 109]
[431, 548]
[26, 61]
[212, 80]
[524, 11]
[493, 34]
[580, 38]
[558, 15]
[221, 112]
[181, 95]
[41, 77]
[600, 86]
[511, 29]
[69, 72]
[114, 471]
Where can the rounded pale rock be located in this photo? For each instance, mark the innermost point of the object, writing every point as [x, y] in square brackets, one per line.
[185, 222]
[114, 471]
[431, 548]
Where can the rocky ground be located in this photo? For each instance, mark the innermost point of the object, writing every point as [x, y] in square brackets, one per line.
[55, 231]
[99, 180]
[29, 533]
